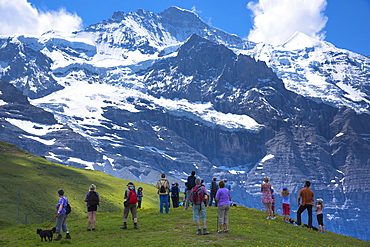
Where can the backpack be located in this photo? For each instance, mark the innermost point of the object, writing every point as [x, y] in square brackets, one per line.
[175, 191]
[196, 195]
[191, 182]
[162, 189]
[68, 209]
[93, 199]
[132, 197]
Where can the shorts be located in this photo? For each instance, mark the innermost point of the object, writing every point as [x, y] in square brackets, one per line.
[286, 209]
[92, 208]
[268, 204]
[199, 210]
[131, 207]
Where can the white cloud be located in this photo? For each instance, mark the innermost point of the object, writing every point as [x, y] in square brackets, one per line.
[275, 21]
[19, 16]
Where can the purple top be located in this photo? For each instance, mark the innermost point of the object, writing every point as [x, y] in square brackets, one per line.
[203, 188]
[223, 196]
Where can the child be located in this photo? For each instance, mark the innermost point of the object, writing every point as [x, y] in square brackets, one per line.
[139, 197]
[273, 204]
[286, 204]
[320, 217]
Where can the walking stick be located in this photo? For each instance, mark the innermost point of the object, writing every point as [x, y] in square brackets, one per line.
[217, 222]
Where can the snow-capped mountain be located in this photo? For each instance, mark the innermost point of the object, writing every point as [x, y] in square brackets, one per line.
[142, 93]
[319, 70]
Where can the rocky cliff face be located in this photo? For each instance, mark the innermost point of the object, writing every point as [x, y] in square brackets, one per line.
[193, 100]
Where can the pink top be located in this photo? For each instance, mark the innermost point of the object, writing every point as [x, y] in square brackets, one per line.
[266, 193]
[318, 209]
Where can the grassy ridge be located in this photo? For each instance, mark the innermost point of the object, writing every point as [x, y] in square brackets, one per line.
[39, 180]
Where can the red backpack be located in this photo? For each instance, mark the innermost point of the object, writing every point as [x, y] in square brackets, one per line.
[132, 197]
[196, 195]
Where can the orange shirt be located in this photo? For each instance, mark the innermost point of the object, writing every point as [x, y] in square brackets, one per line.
[307, 196]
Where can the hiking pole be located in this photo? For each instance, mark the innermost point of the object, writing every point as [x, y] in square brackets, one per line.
[52, 220]
[217, 223]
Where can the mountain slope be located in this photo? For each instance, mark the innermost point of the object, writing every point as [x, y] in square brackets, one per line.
[35, 181]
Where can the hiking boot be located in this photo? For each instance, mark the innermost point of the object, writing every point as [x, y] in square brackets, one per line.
[68, 236]
[124, 226]
[135, 226]
[205, 232]
[58, 238]
[199, 232]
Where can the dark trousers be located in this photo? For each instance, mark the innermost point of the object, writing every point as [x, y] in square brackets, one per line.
[320, 219]
[309, 210]
[175, 201]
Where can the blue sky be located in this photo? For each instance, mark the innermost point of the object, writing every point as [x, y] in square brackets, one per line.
[344, 23]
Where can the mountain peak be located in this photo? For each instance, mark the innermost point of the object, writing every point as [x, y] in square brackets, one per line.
[118, 15]
[179, 14]
[300, 41]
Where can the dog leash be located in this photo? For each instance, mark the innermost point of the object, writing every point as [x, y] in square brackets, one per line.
[52, 221]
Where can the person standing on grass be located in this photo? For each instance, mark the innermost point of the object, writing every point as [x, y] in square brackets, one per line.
[61, 223]
[319, 215]
[286, 204]
[227, 185]
[305, 199]
[92, 198]
[273, 204]
[214, 188]
[197, 195]
[267, 197]
[163, 187]
[223, 199]
[175, 195]
[139, 196]
[190, 186]
[130, 205]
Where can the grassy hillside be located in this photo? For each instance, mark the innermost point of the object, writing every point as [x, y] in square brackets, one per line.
[248, 227]
[38, 180]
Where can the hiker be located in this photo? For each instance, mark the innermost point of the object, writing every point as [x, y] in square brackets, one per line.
[92, 198]
[319, 215]
[190, 185]
[266, 197]
[199, 208]
[223, 199]
[139, 196]
[61, 223]
[130, 197]
[185, 194]
[214, 188]
[286, 204]
[305, 199]
[163, 187]
[175, 195]
[273, 204]
[227, 185]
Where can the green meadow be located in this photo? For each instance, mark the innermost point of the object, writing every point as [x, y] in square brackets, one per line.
[29, 187]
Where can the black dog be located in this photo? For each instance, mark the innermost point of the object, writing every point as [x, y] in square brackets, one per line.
[46, 233]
